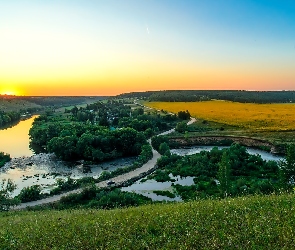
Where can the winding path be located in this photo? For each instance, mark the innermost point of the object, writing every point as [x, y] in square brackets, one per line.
[147, 167]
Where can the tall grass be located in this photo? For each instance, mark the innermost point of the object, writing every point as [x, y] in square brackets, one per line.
[257, 222]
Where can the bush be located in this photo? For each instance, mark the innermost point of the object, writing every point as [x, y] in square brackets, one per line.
[184, 115]
[6, 189]
[164, 148]
[181, 127]
[157, 140]
[4, 158]
[65, 185]
[31, 193]
[92, 197]
[164, 193]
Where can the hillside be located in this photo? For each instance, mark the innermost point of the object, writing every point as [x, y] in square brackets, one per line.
[18, 103]
[243, 223]
[9, 104]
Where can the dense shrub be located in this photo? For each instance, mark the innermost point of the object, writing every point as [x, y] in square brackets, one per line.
[31, 193]
[4, 158]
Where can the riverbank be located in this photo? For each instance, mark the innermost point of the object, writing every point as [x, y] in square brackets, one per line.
[226, 141]
[43, 169]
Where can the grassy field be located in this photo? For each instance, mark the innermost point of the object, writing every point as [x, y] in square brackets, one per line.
[250, 116]
[243, 223]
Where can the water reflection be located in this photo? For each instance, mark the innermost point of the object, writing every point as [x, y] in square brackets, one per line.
[43, 169]
[146, 188]
[197, 149]
[15, 140]
[9, 125]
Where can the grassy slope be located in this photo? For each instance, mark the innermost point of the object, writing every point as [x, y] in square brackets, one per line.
[15, 103]
[9, 105]
[243, 223]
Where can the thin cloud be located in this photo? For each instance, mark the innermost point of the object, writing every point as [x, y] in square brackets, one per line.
[147, 29]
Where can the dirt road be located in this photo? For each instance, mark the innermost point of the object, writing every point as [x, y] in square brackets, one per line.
[117, 180]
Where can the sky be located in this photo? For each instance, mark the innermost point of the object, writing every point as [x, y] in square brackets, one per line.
[108, 47]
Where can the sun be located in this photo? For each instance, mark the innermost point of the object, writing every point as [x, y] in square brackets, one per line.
[9, 92]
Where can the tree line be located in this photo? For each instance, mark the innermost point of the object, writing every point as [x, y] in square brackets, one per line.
[8, 117]
[205, 95]
[72, 141]
[101, 132]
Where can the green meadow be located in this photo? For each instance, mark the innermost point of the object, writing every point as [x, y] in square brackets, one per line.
[254, 222]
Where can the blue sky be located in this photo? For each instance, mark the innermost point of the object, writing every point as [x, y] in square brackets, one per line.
[133, 45]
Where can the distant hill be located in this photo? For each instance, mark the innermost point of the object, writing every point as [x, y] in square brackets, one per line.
[203, 95]
[8, 104]
[23, 103]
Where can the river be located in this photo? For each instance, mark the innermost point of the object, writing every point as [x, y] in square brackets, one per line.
[15, 141]
[27, 169]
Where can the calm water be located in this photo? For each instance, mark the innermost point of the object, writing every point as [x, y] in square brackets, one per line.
[15, 140]
[45, 169]
[197, 149]
[146, 188]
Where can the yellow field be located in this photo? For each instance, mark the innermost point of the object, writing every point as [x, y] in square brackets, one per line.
[245, 115]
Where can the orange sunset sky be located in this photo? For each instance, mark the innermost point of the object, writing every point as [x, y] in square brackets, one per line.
[109, 47]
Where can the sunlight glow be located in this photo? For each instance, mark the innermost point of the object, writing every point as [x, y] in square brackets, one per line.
[9, 92]
[109, 47]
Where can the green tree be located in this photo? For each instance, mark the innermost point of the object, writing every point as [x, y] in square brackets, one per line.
[138, 111]
[84, 145]
[129, 139]
[164, 148]
[157, 140]
[4, 158]
[223, 175]
[74, 111]
[148, 133]
[6, 189]
[184, 115]
[181, 127]
[63, 147]
[287, 167]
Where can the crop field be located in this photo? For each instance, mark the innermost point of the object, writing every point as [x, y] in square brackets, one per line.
[250, 116]
[257, 222]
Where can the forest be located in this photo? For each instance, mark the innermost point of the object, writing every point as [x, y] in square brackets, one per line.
[206, 95]
[98, 132]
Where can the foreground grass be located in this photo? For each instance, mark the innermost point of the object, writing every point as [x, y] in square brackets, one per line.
[251, 116]
[243, 223]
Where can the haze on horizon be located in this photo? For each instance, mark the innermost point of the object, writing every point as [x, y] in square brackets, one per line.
[109, 47]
